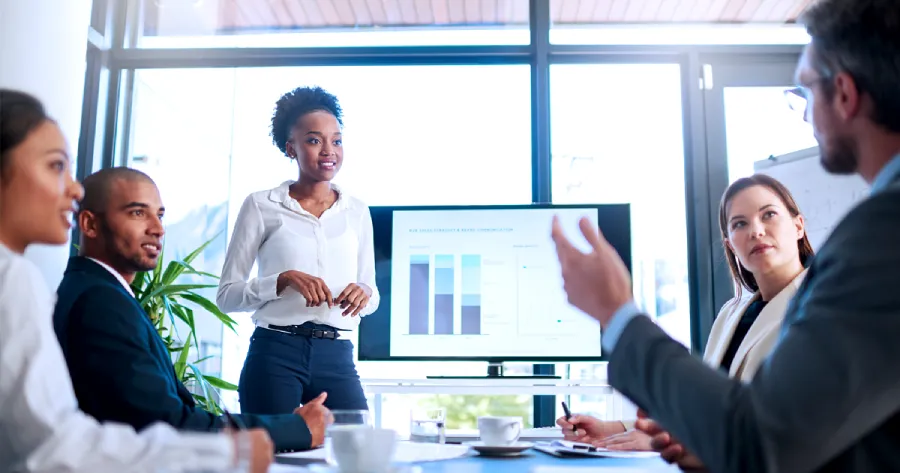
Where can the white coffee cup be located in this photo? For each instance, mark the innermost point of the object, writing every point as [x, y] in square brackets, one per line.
[496, 430]
[362, 449]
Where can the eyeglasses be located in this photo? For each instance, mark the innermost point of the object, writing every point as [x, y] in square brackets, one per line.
[798, 98]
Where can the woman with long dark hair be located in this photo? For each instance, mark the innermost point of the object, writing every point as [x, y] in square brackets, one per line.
[767, 250]
[41, 428]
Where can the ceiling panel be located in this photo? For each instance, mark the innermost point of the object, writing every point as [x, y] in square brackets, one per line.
[237, 15]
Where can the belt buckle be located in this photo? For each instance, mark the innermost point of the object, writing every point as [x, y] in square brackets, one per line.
[318, 333]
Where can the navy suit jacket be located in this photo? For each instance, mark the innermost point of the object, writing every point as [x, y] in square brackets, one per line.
[120, 368]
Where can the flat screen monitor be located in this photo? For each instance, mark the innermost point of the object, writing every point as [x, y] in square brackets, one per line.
[481, 283]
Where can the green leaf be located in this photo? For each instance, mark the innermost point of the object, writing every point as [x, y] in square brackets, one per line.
[220, 383]
[201, 360]
[190, 258]
[211, 308]
[174, 289]
[188, 269]
[172, 272]
[201, 379]
[181, 364]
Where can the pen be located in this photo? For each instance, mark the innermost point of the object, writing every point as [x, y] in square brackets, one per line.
[568, 415]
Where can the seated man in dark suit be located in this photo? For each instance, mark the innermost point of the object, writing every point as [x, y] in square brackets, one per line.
[120, 367]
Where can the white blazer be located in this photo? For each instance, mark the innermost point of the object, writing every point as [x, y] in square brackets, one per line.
[760, 339]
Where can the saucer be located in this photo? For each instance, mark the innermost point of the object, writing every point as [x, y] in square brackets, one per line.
[321, 468]
[500, 450]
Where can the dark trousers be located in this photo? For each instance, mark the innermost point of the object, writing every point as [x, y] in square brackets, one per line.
[283, 371]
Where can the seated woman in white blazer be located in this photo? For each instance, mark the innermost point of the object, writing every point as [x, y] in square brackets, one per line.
[767, 251]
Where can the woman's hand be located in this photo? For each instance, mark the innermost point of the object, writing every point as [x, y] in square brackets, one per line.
[588, 429]
[312, 288]
[354, 299]
[632, 440]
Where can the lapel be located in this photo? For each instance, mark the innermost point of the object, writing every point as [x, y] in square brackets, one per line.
[769, 321]
[715, 353]
[92, 269]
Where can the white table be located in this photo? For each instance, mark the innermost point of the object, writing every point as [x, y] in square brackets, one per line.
[536, 387]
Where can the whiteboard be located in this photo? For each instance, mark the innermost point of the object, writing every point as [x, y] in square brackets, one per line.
[823, 198]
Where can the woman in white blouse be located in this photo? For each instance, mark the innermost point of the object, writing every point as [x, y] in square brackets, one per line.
[316, 268]
[41, 428]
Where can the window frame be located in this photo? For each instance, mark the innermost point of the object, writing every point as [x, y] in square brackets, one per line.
[109, 83]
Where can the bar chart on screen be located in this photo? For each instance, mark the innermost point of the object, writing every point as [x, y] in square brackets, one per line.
[489, 284]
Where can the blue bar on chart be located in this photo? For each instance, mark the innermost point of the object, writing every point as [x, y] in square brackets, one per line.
[419, 276]
[471, 294]
[443, 294]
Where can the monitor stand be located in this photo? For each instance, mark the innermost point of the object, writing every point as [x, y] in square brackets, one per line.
[495, 371]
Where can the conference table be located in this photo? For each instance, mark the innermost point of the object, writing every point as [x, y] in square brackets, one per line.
[531, 461]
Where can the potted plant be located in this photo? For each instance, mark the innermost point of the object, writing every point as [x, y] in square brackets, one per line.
[166, 301]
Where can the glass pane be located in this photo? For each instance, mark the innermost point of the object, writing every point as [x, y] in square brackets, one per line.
[617, 137]
[758, 124]
[676, 22]
[430, 135]
[462, 411]
[326, 23]
[98, 15]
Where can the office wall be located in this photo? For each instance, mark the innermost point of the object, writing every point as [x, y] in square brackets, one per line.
[42, 51]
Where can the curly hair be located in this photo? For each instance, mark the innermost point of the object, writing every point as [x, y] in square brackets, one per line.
[296, 103]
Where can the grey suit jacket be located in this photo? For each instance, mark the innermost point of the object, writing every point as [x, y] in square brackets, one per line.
[828, 397]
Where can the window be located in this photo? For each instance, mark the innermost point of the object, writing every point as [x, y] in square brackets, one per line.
[413, 135]
[759, 124]
[325, 23]
[616, 136]
[676, 22]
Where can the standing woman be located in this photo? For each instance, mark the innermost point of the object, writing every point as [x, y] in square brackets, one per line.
[316, 268]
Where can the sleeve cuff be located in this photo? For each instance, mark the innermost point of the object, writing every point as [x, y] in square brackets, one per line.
[268, 288]
[617, 325]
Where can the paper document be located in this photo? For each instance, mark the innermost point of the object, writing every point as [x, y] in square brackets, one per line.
[407, 452]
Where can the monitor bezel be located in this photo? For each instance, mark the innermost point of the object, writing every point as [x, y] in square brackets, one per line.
[362, 354]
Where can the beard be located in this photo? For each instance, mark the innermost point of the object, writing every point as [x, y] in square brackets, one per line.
[119, 254]
[839, 156]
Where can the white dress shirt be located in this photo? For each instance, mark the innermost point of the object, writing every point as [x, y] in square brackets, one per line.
[276, 232]
[41, 428]
[115, 274]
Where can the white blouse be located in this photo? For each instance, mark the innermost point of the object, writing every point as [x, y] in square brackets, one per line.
[41, 428]
[273, 230]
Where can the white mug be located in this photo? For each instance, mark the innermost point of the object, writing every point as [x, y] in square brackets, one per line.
[362, 449]
[495, 430]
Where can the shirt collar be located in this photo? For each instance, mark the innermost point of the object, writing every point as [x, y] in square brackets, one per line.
[282, 195]
[887, 174]
[114, 273]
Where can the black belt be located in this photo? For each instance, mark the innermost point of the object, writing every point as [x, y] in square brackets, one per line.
[305, 331]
